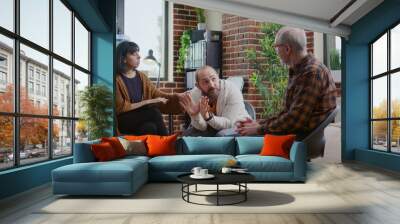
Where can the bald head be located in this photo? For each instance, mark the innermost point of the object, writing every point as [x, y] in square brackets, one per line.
[205, 71]
[207, 81]
[294, 37]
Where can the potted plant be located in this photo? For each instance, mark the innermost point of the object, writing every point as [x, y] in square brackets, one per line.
[96, 104]
[201, 19]
[185, 43]
[269, 76]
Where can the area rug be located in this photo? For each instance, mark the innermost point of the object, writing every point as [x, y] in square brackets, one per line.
[167, 198]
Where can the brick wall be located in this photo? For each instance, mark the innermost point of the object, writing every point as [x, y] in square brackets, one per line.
[239, 34]
[310, 41]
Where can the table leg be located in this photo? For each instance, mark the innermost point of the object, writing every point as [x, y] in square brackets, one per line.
[217, 194]
[245, 191]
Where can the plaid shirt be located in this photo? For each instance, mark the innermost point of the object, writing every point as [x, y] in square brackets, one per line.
[310, 97]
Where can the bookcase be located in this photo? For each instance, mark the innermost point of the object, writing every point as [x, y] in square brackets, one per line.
[205, 49]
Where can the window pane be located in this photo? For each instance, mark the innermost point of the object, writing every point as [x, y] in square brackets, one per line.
[62, 89]
[34, 97]
[81, 45]
[35, 21]
[395, 136]
[6, 142]
[81, 81]
[7, 14]
[379, 98]
[62, 29]
[6, 74]
[379, 55]
[395, 47]
[62, 141]
[33, 140]
[395, 95]
[81, 131]
[379, 135]
[148, 35]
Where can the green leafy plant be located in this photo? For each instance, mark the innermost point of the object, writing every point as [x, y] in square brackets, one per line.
[334, 57]
[201, 18]
[270, 77]
[96, 102]
[185, 43]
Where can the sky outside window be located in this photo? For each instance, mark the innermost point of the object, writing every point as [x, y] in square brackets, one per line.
[7, 14]
[379, 56]
[149, 34]
[62, 29]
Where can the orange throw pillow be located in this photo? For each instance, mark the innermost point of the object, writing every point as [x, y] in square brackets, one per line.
[161, 145]
[277, 145]
[103, 152]
[116, 145]
[135, 137]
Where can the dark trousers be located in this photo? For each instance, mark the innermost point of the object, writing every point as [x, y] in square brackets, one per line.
[142, 121]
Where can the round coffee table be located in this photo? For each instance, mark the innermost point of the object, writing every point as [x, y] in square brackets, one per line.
[238, 179]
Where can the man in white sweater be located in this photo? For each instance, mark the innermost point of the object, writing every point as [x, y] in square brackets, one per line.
[214, 105]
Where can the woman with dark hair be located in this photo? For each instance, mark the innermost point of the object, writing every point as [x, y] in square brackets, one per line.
[138, 102]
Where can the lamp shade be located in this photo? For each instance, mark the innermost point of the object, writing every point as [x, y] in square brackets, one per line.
[150, 58]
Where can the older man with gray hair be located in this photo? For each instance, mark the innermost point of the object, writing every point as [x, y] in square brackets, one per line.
[310, 94]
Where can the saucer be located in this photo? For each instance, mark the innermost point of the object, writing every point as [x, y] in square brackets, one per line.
[208, 176]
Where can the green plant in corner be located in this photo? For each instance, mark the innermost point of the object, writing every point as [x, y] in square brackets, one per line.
[201, 18]
[334, 59]
[185, 43]
[269, 76]
[96, 103]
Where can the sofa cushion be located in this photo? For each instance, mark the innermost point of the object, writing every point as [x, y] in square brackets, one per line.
[277, 145]
[185, 163]
[207, 145]
[116, 145]
[257, 163]
[249, 145]
[134, 147]
[131, 158]
[83, 152]
[112, 171]
[135, 137]
[161, 145]
[103, 152]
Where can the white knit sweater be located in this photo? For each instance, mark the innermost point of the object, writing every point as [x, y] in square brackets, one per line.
[230, 108]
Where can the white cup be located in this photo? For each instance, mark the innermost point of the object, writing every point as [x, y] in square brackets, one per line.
[196, 170]
[203, 172]
[226, 170]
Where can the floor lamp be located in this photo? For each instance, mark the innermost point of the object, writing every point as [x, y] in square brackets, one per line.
[151, 59]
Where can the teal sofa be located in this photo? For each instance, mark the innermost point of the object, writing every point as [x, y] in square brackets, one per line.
[125, 176]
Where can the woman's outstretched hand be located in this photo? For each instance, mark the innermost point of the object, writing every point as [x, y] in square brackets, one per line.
[158, 100]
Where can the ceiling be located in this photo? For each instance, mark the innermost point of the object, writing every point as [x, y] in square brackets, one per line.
[319, 9]
[326, 16]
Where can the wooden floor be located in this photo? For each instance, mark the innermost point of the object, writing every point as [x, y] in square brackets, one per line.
[377, 188]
